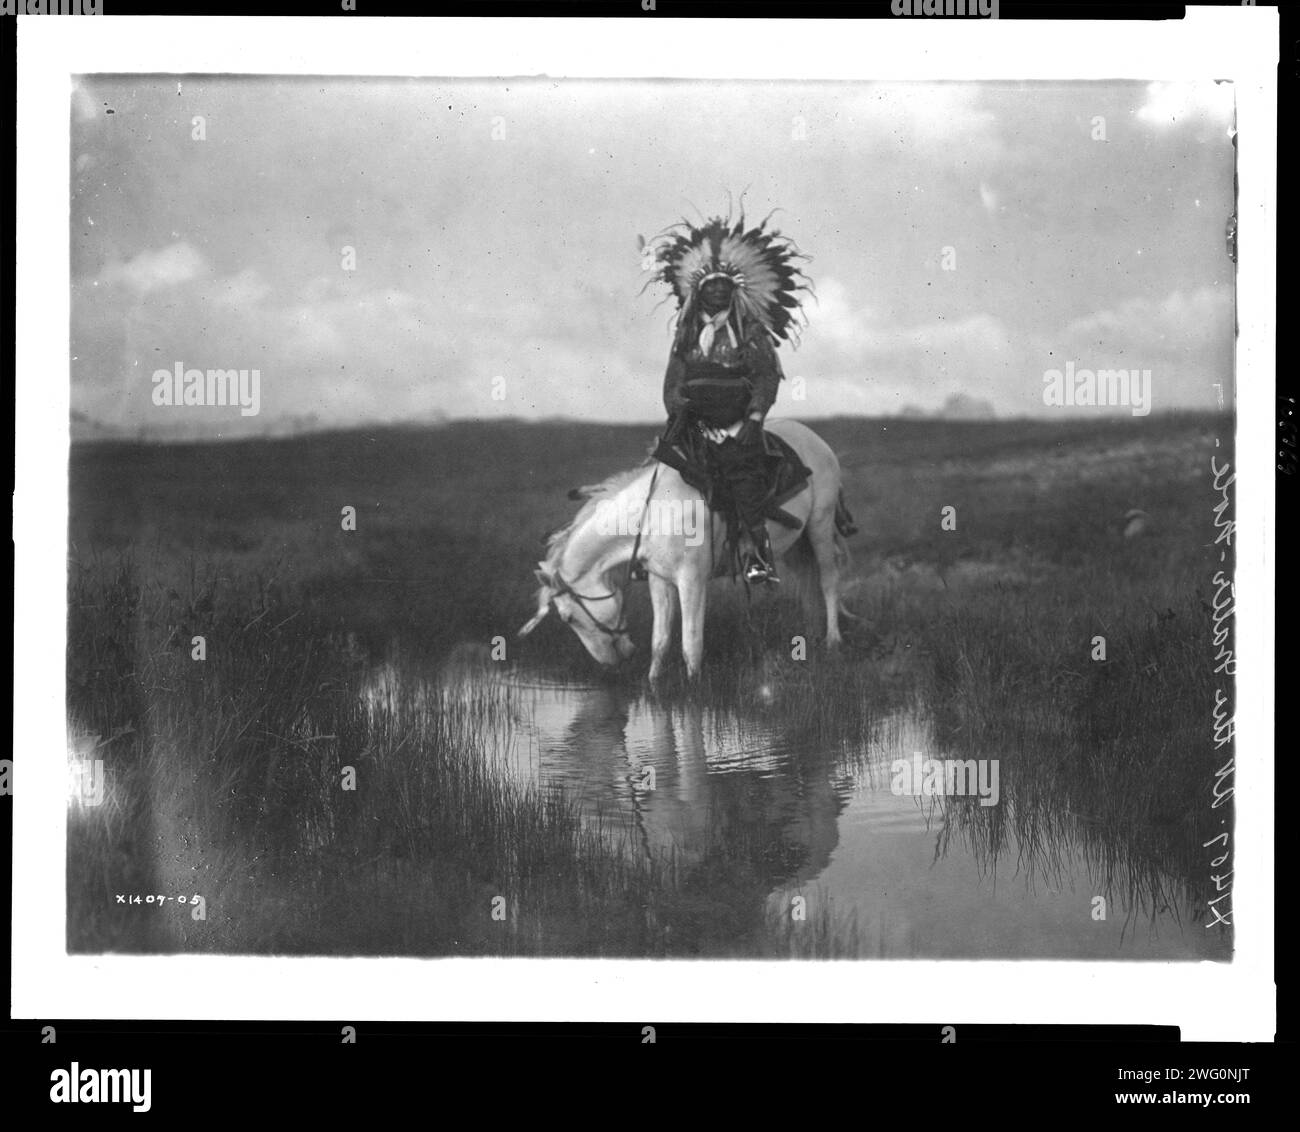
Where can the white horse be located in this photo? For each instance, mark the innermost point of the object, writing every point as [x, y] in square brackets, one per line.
[681, 548]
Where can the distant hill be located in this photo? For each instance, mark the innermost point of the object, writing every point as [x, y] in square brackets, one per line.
[82, 428]
[957, 407]
[86, 429]
[964, 407]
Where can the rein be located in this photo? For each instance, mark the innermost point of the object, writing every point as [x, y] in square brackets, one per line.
[633, 567]
[563, 586]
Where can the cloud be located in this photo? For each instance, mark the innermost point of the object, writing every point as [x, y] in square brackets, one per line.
[1185, 340]
[243, 289]
[874, 363]
[834, 315]
[860, 330]
[167, 267]
[83, 105]
[312, 334]
[929, 117]
[1171, 104]
[1179, 323]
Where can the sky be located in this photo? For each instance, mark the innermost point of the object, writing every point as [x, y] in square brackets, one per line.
[965, 238]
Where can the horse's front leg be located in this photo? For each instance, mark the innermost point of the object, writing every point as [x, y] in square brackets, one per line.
[693, 591]
[822, 536]
[663, 597]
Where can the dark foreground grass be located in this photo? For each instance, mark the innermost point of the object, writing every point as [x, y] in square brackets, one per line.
[227, 776]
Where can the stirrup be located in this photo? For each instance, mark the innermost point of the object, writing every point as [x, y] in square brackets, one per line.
[636, 571]
[758, 572]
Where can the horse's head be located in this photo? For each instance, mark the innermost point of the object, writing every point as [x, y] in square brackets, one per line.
[593, 610]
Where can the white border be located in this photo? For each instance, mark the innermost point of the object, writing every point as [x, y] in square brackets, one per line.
[1210, 1001]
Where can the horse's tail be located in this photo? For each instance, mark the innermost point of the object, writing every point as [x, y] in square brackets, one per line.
[843, 555]
[801, 570]
[843, 559]
[844, 528]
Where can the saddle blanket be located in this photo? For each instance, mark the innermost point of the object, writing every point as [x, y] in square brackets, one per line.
[787, 475]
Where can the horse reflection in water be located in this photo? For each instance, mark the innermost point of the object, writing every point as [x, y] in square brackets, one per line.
[691, 788]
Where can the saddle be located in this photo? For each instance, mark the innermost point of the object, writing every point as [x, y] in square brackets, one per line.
[786, 473]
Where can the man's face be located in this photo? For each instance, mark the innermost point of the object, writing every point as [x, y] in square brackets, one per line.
[715, 295]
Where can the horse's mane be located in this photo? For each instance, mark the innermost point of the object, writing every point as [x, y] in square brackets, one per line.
[592, 495]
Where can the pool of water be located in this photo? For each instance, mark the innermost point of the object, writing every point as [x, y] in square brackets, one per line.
[908, 872]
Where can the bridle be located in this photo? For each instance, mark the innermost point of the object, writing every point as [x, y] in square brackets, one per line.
[563, 587]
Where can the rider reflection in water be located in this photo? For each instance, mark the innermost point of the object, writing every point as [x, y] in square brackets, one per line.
[736, 296]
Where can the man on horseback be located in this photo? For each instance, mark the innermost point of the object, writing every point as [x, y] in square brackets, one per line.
[735, 293]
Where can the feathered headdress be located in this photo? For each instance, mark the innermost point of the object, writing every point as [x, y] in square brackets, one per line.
[759, 262]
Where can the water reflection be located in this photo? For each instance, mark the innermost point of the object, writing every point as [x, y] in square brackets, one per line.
[684, 781]
[748, 815]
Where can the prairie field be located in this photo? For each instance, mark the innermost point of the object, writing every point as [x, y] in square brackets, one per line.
[361, 761]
